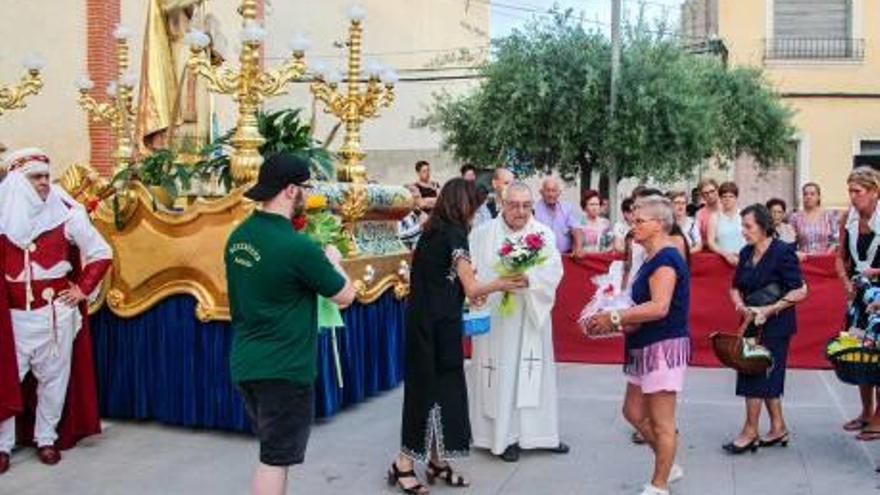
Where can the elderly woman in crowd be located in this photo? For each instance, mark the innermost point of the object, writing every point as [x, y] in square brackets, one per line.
[724, 235]
[657, 338]
[814, 226]
[766, 286]
[858, 254]
[782, 230]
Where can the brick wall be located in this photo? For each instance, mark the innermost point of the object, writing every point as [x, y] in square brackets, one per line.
[103, 16]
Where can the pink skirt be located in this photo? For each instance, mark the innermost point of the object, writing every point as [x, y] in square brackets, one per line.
[661, 377]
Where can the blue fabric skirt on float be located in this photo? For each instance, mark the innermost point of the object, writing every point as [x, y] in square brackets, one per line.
[167, 366]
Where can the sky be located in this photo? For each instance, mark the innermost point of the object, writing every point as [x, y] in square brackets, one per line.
[510, 14]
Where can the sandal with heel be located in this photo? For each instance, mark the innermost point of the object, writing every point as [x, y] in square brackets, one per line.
[772, 442]
[735, 449]
[446, 474]
[395, 476]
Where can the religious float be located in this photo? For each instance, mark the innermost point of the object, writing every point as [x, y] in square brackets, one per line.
[160, 325]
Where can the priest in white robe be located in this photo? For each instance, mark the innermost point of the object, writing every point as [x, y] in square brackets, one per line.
[512, 375]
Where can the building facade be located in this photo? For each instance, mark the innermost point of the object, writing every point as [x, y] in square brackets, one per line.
[420, 38]
[823, 57]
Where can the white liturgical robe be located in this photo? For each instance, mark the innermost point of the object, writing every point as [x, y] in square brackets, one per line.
[512, 375]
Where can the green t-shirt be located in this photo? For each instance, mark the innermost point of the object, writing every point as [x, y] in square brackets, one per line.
[273, 275]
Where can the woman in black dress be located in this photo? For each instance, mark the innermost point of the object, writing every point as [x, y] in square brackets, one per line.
[436, 426]
[859, 254]
[766, 286]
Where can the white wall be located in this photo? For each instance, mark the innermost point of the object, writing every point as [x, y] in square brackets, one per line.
[52, 120]
[407, 34]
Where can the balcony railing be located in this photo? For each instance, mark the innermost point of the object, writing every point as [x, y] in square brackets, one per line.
[814, 49]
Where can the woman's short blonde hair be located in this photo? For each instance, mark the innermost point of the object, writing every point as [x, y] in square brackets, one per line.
[866, 177]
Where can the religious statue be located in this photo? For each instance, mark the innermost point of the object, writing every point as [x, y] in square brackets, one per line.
[175, 108]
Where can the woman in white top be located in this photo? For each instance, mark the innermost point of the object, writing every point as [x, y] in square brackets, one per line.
[725, 228]
[687, 224]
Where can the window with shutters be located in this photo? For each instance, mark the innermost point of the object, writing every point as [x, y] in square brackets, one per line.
[870, 147]
[813, 29]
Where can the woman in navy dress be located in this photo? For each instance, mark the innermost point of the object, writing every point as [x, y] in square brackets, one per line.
[770, 266]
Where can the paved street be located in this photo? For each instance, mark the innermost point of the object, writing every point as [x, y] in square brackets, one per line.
[350, 453]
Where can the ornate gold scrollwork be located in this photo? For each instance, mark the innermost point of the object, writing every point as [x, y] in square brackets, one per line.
[13, 96]
[354, 205]
[158, 254]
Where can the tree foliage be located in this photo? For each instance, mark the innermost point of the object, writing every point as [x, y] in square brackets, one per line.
[543, 103]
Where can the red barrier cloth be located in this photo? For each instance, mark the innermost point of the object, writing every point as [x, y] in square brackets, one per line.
[820, 316]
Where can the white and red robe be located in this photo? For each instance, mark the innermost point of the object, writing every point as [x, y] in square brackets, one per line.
[46, 338]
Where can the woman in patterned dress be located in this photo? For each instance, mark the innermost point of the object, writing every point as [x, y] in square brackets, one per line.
[814, 226]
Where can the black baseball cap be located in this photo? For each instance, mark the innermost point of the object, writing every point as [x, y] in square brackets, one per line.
[278, 172]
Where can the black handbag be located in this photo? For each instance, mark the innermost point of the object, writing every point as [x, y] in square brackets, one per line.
[765, 296]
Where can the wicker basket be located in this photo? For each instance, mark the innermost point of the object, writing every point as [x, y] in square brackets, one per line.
[728, 349]
[856, 366]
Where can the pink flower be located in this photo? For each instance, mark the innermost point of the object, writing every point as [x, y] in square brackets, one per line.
[506, 249]
[534, 242]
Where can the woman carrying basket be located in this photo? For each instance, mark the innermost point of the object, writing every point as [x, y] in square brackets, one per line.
[858, 254]
[766, 286]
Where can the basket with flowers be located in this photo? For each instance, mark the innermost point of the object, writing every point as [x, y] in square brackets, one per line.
[855, 353]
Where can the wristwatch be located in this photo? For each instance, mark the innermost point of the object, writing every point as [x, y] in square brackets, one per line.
[616, 320]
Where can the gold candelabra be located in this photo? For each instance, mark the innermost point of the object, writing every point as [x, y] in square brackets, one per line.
[356, 105]
[13, 97]
[118, 111]
[248, 86]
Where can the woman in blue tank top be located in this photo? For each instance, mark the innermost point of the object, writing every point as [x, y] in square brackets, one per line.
[724, 236]
[657, 338]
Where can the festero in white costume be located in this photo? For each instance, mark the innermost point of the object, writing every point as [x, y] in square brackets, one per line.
[35, 238]
[512, 376]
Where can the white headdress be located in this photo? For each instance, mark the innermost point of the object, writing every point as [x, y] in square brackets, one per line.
[23, 214]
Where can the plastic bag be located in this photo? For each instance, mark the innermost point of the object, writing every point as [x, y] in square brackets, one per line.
[609, 296]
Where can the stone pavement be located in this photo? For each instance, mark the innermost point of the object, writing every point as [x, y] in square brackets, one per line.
[350, 453]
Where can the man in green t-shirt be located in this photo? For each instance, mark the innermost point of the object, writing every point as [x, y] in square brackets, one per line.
[274, 276]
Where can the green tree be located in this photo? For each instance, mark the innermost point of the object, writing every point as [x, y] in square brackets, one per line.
[543, 103]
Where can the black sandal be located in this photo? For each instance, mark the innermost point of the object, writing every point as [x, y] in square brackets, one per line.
[395, 475]
[735, 449]
[446, 474]
[772, 442]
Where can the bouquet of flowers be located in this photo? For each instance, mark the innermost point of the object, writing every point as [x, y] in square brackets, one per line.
[325, 228]
[319, 223]
[609, 296]
[516, 256]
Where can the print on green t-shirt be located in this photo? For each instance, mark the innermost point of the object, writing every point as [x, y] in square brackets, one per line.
[274, 275]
